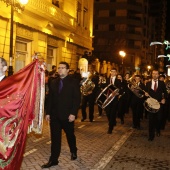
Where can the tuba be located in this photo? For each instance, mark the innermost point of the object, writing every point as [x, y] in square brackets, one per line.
[87, 86]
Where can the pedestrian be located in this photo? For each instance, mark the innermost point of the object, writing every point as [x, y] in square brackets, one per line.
[157, 90]
[62, 108]
[3, 68]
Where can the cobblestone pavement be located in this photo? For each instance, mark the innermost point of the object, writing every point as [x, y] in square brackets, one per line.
[123, 149]
[138, 153]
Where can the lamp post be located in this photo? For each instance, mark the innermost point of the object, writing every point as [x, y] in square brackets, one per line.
[122, 54]
[17, 5]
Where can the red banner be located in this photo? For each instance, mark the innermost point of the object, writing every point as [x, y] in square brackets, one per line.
[21, 99]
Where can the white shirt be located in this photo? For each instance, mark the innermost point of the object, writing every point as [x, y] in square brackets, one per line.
[1, 77]
[112, 80]
[153, 84]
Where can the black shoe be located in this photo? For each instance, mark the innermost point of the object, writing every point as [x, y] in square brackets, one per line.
[134, 127]
[109, 132]
[158, 134]
[49, 164]
[138, 128]
[73, 156]
[82, 120]
[91, 120]
[150, 139]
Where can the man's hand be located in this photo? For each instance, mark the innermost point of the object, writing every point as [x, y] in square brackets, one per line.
[71, 118]
[90, 92]
[163, 101]
[146, 94]
[47, 117]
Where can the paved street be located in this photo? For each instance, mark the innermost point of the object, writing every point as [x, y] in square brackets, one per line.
[125, 148]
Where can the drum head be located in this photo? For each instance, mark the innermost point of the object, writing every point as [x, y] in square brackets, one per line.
[152, 105]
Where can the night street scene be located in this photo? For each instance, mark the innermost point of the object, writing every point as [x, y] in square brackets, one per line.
[85, 85]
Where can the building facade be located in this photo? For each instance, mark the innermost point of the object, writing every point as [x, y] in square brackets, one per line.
[125, 25]
[57, 30]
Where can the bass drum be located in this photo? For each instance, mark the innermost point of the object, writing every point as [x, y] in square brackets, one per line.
[107, 95]
[152, 105]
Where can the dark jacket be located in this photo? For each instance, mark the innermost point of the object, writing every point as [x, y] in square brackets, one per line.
[61, 105]
[160, 92]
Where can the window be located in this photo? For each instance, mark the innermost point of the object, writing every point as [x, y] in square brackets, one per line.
[78, 13]
[85, 17]
[112, 13]
[96, 27]
[21, 53]
[111, 27]
[50, 56]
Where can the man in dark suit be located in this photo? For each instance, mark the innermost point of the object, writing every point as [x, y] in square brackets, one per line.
[91, 96]
[111, 109]
[137, 101]
[3, 68]
[157, 90]
[62, 108]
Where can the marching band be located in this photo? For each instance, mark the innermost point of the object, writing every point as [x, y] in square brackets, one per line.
[143, 97]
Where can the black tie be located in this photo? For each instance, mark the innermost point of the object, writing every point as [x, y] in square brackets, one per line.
[60, 85]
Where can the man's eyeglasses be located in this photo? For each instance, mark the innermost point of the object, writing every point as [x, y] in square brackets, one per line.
[61, 68]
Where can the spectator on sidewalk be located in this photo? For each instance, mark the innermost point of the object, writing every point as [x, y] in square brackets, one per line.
[3, 68]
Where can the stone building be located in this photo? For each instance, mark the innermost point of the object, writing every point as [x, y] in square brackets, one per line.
[59, 30]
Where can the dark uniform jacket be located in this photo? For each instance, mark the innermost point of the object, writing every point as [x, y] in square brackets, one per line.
[61, 105]
[160, 92]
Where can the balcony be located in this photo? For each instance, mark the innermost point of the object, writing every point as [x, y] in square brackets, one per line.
[45, 10]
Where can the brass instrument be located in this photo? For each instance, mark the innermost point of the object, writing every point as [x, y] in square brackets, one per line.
[87, 86]
[167, 82]
[135, 88]
[150, 104]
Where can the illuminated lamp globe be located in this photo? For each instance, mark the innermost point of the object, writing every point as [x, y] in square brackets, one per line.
[23, 2]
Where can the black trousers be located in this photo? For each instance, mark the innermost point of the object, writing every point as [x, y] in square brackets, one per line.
[154, 123]
[121, 108]
[137, 110]
[111, 111]
[56, 126]
[90, 99]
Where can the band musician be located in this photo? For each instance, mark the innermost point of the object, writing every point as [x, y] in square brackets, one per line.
[91, 96]
[157, 90]
[111, 109]
[137, 101]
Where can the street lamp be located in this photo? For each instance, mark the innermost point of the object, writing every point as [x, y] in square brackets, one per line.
[149, 67]
[17, 5]
[122, 54]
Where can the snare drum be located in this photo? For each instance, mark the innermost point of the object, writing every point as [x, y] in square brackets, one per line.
[152, 105]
